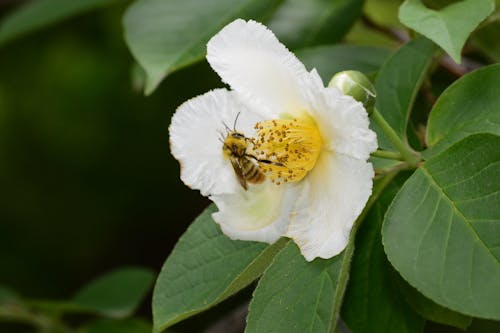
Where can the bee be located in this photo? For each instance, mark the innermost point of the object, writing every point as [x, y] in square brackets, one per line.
[245, 165]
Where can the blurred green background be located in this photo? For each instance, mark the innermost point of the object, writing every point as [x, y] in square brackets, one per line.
[87, 182]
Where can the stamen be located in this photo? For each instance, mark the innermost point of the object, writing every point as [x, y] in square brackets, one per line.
[291, 145]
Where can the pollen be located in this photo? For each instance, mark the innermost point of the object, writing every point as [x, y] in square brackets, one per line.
[287, 149]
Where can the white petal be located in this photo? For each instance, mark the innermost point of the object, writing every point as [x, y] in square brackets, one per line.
[332, 197]
[195, 139]
[259, 214]
[343, 122]
[249, 57]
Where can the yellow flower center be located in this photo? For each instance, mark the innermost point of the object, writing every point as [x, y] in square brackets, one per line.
[287, 149]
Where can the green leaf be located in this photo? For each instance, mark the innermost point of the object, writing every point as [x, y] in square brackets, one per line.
[39, 14]
[470, 105]
[442, 230]
[299, 23]
[133, 325]
[298, 296]
[486, 40]
[205, 268]
[429, 309]
[362, 34]
[449, 27]
[383, 12]
[166, 35]
[397, 85]
[372, 303]
[329, 60]
[116, 294]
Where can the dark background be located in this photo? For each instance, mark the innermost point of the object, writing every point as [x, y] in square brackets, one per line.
[87, 182]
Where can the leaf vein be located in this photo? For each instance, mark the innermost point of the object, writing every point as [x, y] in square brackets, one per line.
[459, 212]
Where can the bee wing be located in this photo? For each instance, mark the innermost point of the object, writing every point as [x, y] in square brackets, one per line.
[238, 170]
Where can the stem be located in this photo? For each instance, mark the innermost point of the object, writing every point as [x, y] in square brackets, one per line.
[382, 172]
[399, 35]
[451, 66]
[16, 313]
[390, 155]
[20, 314]
[408, 154]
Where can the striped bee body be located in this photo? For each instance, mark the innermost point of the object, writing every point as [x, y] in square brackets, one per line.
[245, 165]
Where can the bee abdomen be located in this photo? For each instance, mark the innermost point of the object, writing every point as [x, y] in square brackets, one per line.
[253, 174]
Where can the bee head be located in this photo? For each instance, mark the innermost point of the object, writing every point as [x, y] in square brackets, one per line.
[235, 144]
[237, 135]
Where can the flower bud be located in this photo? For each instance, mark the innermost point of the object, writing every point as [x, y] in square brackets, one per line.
[357, 85]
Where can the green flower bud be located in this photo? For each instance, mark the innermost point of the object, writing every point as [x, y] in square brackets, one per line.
[357, 85]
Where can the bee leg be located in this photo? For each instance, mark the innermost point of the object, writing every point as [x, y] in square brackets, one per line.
[265, 161]
[271, 162]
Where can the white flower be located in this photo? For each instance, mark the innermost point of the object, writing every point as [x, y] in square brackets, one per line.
[311, 142]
